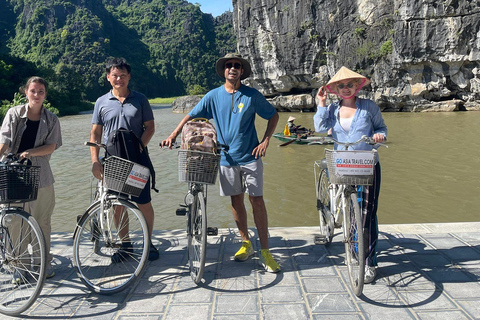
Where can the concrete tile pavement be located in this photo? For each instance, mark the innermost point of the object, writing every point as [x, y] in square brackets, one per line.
[426, 271]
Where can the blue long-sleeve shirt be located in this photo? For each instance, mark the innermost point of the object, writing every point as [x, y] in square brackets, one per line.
[367, 121]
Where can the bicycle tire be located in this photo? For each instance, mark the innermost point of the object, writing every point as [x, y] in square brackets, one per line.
[23, 254]
[354, 245]
[197, 237]
[324, 208]
[94, 246]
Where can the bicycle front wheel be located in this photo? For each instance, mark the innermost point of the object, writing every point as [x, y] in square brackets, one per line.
[110, 248]
[197, 238]
[354, 245]
[22, 261]
[324, 208]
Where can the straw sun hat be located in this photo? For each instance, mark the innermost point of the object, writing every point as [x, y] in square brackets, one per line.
[343, 74]
[220, 66]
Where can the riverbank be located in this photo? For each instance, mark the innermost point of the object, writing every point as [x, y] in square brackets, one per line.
[426, 271]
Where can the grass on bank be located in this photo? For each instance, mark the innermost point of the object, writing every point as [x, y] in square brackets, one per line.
[162, 100]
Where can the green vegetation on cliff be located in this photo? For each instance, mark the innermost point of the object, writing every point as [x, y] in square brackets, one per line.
[171, 45]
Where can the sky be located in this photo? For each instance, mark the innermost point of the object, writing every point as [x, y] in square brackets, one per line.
[215, 7]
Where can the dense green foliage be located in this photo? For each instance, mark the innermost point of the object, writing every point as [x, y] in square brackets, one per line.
[171, 45]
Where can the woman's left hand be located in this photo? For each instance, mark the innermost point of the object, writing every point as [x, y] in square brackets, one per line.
[379, 138]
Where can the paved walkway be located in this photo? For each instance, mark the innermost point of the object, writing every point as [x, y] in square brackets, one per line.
[427, 271]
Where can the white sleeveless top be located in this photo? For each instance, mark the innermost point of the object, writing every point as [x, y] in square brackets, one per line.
[346, 123]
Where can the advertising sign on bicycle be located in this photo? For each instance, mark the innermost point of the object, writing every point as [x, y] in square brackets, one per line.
[138, 176]
[354, 163]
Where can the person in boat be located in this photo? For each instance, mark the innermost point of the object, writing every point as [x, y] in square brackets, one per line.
[350, 118]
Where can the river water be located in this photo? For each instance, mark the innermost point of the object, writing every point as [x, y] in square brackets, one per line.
[430, 173]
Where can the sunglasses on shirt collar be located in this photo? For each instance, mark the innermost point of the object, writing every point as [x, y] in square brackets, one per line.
[235, 65]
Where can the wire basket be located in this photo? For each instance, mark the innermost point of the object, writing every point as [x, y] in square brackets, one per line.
[197, 166]
[124, 176]
[18, 183]
[351, 167]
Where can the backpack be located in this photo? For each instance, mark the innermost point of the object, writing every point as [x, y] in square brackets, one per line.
[125, 144]
[199, 135]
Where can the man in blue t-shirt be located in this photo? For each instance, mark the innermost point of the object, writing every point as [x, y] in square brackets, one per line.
[233, 106]
[124, 108]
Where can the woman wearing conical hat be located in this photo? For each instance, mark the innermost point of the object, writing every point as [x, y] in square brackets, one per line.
[350, 118]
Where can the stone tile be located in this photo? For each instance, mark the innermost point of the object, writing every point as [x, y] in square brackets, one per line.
[330, 303]
[471, 306]
[323, 285]
[463, 290]
[443, 315]
[236, 304]
[336, 316]
[284, 311]
[188, 311]
[277, 294]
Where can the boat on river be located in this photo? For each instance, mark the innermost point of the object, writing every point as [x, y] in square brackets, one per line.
[303, 139]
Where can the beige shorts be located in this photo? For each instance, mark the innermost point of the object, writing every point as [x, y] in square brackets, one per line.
[240, 179]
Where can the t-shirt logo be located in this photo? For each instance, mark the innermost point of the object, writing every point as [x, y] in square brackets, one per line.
[240, 107]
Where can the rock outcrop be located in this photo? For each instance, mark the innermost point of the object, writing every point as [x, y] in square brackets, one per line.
[185, 104]
[420, 55]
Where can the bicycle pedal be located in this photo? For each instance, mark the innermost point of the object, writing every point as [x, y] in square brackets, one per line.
[320, 239]
[212, 231]
[181, 211]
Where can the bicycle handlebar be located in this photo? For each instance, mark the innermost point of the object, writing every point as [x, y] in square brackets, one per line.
[95, 144]
[366, 139]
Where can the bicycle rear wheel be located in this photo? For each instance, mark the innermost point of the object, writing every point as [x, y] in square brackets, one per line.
[324, 209]
[354, 245]
[22, 261]
[197, 237]
[110, 249]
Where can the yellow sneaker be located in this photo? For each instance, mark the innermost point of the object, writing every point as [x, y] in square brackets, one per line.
[246, 250]
[267, 261]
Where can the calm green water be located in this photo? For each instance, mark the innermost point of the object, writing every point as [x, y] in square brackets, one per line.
[430, 173]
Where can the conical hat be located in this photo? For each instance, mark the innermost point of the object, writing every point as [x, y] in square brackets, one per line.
[291, 118]
[343, 74]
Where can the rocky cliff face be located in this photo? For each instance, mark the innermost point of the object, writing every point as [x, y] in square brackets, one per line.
[420, 55]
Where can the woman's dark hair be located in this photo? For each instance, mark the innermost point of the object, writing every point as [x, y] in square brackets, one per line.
[34, 79]
[117, 63]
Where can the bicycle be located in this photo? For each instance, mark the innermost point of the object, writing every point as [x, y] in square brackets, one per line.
[111, 240]
[338, 182]
[199, 169]
[22, 244]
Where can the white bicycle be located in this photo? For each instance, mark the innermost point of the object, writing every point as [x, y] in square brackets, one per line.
[338, 179]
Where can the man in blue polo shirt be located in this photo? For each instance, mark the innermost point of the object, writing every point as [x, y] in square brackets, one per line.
[124, 108]
[233, 106]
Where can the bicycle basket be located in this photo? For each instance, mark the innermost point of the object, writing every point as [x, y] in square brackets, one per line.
[351, 167]
[18, 183]
[197, 166]
[124, 176]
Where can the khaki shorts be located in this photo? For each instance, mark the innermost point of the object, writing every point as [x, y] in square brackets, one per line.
[240, 179]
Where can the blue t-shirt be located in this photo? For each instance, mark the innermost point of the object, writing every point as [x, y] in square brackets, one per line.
[235, 120]
[131, 114]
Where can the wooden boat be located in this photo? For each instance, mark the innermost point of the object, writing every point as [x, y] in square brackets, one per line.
[302, 139]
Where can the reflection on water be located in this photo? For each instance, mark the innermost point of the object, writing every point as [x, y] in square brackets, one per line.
[429, 173]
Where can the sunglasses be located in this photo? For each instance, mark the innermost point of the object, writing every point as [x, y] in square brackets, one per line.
[348, 85]
[235, 65]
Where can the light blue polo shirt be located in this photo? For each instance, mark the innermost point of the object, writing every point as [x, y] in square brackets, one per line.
[235, 120]
[367, 121]
[131, 114]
